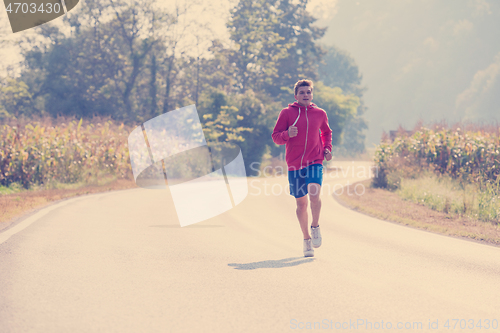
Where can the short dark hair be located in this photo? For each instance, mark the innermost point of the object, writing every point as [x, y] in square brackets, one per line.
[302, 83]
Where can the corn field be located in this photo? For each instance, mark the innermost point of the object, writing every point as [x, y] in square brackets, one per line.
[468, 156]
[449, 168]
[37, 153]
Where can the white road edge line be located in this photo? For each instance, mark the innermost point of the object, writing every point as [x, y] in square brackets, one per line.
[4, 236]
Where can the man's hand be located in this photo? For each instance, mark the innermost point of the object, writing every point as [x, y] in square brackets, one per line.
[328, 154]
[292, 131]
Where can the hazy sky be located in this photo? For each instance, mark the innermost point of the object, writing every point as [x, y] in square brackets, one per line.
[420, 59]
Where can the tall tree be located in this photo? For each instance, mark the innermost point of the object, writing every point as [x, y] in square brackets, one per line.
[339, 69]
[257, 46]
[173, 38]
[275, 44]
[295, 26]
[98, 68]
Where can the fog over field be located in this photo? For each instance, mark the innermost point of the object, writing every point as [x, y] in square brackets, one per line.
[421, 59]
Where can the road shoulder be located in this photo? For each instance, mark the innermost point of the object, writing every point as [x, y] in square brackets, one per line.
[388, 206]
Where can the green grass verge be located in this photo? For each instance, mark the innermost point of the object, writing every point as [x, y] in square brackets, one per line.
[382, 204]
[56, 185]
[12, 188]
[444, 194]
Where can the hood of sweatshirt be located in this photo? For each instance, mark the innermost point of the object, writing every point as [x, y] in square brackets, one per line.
[297, 105]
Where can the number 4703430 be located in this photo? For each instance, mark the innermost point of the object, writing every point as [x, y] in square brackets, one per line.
[471, 323]
[25, 8]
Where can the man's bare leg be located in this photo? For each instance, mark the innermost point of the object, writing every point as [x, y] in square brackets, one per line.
[302, 215]
[314, 192]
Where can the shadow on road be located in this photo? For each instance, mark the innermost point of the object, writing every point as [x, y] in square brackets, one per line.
[288, 262]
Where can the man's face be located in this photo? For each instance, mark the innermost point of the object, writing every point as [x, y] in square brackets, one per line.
[304, 95]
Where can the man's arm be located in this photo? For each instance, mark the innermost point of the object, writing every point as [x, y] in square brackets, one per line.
[326, 134]
[280, 133]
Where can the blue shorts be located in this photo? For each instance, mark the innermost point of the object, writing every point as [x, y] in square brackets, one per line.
[299, 179]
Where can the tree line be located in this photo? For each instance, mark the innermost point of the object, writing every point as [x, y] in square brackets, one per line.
[133, 60]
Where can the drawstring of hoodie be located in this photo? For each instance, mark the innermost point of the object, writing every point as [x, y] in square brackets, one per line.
[297, 118]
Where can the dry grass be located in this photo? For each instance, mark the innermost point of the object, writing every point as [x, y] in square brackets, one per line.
[15, 206]
[389, 206]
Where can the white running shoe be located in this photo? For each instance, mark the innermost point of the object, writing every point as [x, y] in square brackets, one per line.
[308, 250]
[316, 236]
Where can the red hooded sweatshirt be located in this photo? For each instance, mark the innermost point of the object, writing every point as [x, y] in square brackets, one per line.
[313, 137]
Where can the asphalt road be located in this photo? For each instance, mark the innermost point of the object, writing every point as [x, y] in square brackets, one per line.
[120, 262]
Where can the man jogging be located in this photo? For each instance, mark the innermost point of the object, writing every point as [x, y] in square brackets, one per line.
[304, 129]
